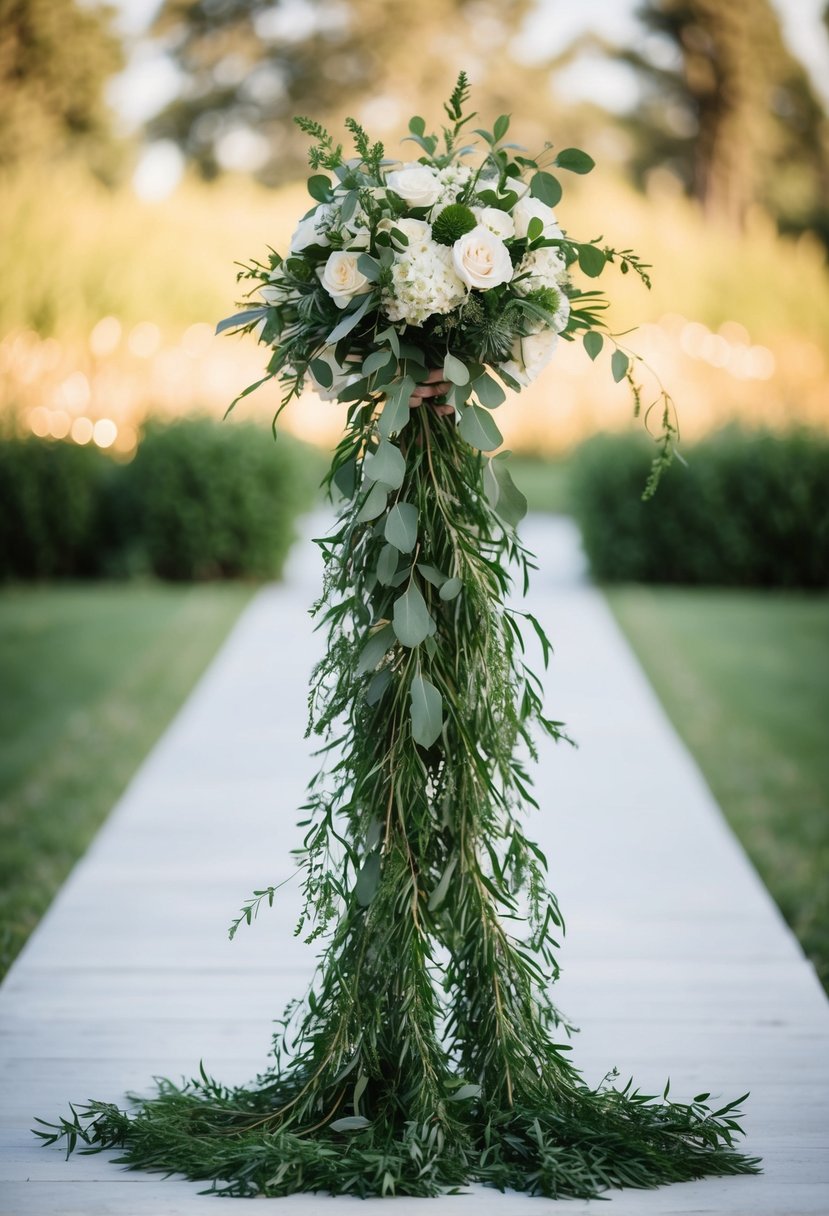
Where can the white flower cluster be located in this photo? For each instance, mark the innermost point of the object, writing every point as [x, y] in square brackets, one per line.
[424, 283]
[542, 267]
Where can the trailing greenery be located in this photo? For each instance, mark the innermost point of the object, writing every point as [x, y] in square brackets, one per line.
[744, 676]
[199, 500]
[743, 509]
[428, 1052]
[91, 675]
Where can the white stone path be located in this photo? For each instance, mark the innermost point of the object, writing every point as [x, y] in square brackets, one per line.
[676, 962]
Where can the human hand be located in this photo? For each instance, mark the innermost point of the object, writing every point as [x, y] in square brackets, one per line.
[433, 386]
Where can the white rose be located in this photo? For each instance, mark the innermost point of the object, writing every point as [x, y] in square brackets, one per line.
[341, 278]
[481, 259]
[527, 209]
[499, 222]
[307, 231]
[530, 356]
[417, 185]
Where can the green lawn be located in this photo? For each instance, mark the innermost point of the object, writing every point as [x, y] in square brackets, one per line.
[90, 677]
[744, 676]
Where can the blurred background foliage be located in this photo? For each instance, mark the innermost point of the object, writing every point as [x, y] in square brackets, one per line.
[146, 146]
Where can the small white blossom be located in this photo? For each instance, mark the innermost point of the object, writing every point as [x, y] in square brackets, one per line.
[424, 283]
[544, 268]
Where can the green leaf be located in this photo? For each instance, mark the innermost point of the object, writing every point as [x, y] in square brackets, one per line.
[351, 1123]
[488, 391]
[345, 478]
[501, 127]
[390, 337]
[439, 894]
[396, 412]
[319, 187]
[619, 363]
[431, 575]
[479, 429]
[369, 266]
[591, 260]
[241, 318]
[368, 880]
[411, 618]
[401, 527]
[386, 465]
[348, 322]
[502, 493]
[322, 371]
[375, 649]
[387, 564]
[465, 1091]
[374, 505]
[451, 589]
[377, 685]
[545, 187]
[417, 125]
[593, 343]
[455, 371]
[575, 160]
[535, 228]
[376, 360]
[426, 711]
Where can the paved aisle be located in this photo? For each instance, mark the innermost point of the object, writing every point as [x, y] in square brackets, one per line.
[676, 963]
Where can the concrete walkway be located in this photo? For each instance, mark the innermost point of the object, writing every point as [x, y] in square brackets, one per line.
[676, 962]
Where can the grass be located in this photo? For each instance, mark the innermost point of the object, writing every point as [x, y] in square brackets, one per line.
[91, 677]
[744, 676]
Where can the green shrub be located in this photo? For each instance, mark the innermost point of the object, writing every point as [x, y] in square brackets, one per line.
[748, 509]
[50, 495]
[200, 500]
[206, 500]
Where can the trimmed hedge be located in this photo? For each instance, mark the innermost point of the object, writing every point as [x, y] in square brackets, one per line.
[200, 500]
[748, 509]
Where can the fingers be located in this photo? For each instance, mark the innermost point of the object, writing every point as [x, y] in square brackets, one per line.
[433, 386]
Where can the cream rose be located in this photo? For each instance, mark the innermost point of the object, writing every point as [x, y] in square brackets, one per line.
[481, 259]
[530, 356]
[417, 185]
[498, 222]
[527, 209]
[341, 278]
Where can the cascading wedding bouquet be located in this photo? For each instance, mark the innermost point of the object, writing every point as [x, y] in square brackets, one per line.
[424, 1056]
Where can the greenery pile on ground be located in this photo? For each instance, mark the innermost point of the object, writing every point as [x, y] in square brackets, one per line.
[744, 509]
[200, 500]
[744, 676]
[91, 675]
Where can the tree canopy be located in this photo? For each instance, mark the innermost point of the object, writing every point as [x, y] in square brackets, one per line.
[55, 59]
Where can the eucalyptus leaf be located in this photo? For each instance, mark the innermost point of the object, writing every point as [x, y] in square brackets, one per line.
[575, 160]
[450, 589]
[385, 465]
[374, 504]
[431, 575]
[619, 364]
[387, 564]
[377, 685]
[319, 187]
[488, 391]
[426, 711]
[465, 1092]
[374, 650]
[411, 618]
[369, 266]
[593, 343]
[242, 318]
[396, 411]
[545, 188]
[502, 493]
[401, 527]
[479, 429]
[455, 371]
[345, 478]
[349, 321]
[322, 372]
[591, 260]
